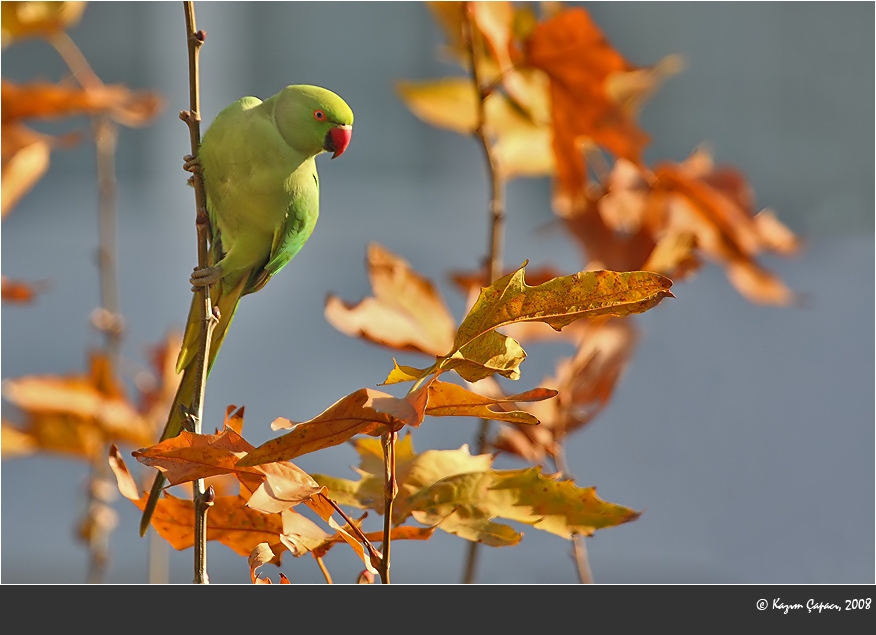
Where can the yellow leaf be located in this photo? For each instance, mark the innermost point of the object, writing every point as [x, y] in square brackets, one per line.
[468, 503]
[561, 301]
[400, 374]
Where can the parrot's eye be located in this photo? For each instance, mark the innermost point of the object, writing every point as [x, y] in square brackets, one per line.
[319, 115]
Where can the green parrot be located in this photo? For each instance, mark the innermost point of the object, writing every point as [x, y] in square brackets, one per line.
[258, 162]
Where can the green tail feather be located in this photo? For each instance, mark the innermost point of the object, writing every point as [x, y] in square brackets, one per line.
[227, 304]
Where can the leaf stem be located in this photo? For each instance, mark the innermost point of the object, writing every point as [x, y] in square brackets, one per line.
[192, 118]
[497, 218]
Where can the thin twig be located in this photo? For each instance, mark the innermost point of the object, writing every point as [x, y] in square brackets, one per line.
[325, 571]
[390, 489]
[192, 118]
[497, 220]
[372, 550]
[109, 319]
[579, 549]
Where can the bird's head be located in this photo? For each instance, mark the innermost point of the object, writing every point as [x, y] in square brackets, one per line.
[313, 120]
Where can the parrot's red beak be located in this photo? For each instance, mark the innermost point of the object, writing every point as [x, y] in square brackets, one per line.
[337, 139]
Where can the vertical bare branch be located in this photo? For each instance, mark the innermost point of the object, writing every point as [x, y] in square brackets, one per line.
[390, 489]
[579, 549]
[192, 118]
[497, 221]
[100, 518]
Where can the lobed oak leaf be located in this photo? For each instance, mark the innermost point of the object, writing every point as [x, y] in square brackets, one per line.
[414, 472]
[447, 399]
[406, 312]
[366, 411]
[468, 503]
[188, 456]
[561, 301]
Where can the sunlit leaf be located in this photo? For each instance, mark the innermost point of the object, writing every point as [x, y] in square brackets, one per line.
[578, 59]
[468, 503]
[407, 312]
[562, 300]
[366, 411]
[447, 399]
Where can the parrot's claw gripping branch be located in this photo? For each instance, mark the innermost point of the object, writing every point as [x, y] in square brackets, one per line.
[191, 163]
[205, 277]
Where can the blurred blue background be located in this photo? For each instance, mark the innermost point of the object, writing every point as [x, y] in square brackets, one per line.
[745, 433]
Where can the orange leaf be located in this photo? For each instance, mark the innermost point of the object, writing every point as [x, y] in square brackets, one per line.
[188, 456]
[366, 411]
[579, 60]
[406, 312]
[49, 101]
[21, 292]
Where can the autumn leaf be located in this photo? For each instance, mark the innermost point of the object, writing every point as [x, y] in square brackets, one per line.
[21, 20]
[585, 383]
[579, 61]
[15, 442]
[561, 301]
[25, 158]
[447, 399]
[406, 312]
[188, 457]
[366, 411]
[466, 505]
[20, 292]
[414, 472]
[43, 100]
[73, 415]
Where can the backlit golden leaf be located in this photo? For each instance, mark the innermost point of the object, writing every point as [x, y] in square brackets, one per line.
[467, 504]
[25, 155]
[407, 312]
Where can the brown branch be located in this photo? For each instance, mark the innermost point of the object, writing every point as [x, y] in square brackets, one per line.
[107, 317]
[192, 118]
[497, 219]
[390, 489]
[579, 549]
